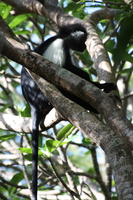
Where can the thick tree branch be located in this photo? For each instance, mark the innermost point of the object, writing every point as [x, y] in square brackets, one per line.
[57, 15]
[118, 152]
[91, 127]
[70, 82]
[95, 46]
[101, 14]
[23, 124]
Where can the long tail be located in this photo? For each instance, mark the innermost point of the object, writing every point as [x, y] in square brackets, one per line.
[35, 123]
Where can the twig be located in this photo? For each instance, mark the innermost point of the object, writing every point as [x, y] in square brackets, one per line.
[72, 193]
[24, 170]
[127, 96]
[12, 184]
[98, 175]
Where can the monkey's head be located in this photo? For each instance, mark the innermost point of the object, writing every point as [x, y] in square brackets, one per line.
[74, 36]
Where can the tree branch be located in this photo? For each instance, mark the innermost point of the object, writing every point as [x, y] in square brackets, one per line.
[22, 124]
[68, 81]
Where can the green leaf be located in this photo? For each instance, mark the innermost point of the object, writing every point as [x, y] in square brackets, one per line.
[17, 20]
[44, 151]
[128, 57]
[7, 137]
[22, 32]
[16, 179]
[6, 11]
[86, 141]
[25, 150]
[110, 44]
[52, 145]
[124, 36]
[126, 71]
[5, 107]
[23, 112]
[28, 157]
[64, 131]
[3, 67]
[76, 9]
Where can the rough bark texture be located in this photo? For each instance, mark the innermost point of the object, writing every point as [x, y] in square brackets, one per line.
[115, 147]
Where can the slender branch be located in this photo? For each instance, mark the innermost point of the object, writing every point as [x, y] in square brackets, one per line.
[98, 175]
[72, 193]
[12, 184]
[68, 170]
[127, 96]
[25, 171]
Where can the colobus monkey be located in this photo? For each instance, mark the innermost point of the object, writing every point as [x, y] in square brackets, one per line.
[55, 49]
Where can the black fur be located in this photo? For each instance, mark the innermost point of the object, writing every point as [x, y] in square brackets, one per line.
[40, 106]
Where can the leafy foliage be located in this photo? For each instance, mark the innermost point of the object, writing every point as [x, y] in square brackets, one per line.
[71, 152]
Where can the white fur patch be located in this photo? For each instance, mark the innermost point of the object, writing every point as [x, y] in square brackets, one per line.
[55, 52]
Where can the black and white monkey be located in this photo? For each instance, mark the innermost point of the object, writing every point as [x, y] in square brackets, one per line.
[57, 50]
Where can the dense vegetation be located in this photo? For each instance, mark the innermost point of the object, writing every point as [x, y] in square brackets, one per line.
[93, 159]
